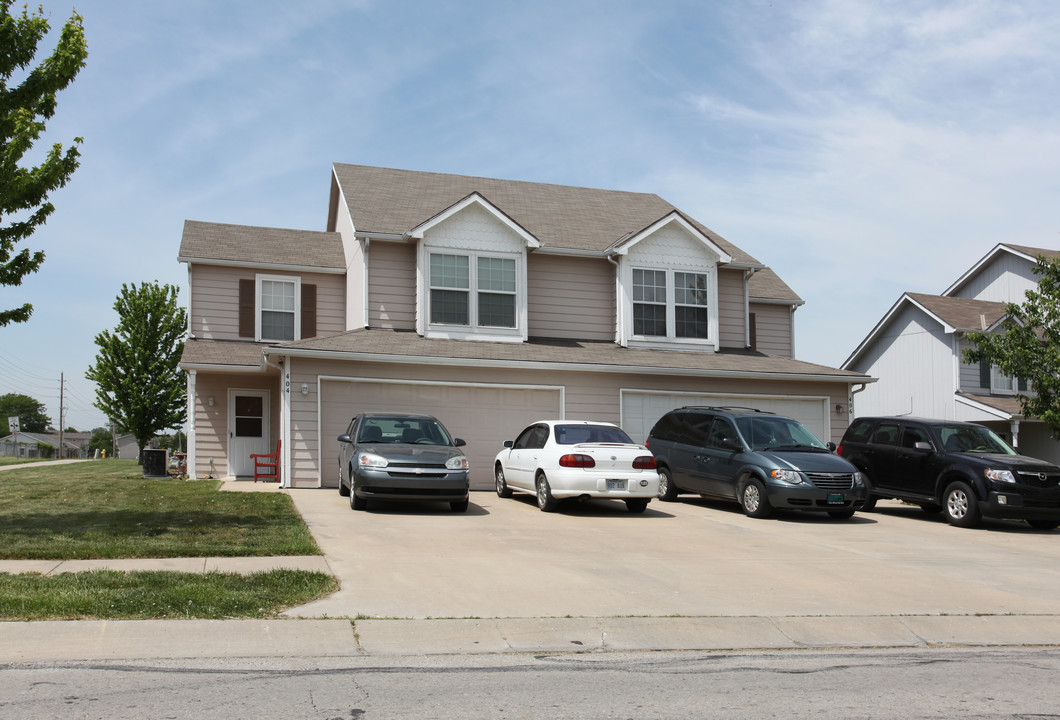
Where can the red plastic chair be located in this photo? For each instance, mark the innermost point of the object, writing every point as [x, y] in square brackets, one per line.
[267, 466]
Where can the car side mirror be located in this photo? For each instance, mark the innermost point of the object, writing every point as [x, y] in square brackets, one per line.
[921, 445]
[459, 442]
[733, 444]
[831, 447]
[344, 438]
[508, 443]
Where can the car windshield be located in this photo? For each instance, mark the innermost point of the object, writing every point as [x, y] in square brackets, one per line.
[971, 438]
[422, 431]
[575, 434]
[777, 433]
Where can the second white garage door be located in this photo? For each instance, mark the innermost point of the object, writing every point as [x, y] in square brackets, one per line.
[642, 409]
[483, 414]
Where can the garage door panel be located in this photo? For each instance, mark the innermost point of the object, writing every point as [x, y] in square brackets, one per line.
[483, 415]
[641, 410]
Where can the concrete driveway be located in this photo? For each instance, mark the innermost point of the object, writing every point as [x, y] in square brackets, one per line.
[506, 559]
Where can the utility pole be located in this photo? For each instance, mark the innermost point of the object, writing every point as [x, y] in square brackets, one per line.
[61, 427]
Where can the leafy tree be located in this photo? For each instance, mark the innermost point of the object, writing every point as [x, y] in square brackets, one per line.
[24, 106]
[1029, 348]
[138, 383]
[30, 413]
[102, 440]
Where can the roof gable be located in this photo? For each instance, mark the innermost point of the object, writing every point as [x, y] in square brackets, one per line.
[1029, 254]
[676, 218]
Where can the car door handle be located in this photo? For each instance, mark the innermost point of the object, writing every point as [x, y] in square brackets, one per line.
[702, 458]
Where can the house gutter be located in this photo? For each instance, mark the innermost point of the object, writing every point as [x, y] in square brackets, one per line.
[573, 367]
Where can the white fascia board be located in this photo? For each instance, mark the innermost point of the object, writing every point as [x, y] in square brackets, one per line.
[776, 301]
[208, 367]
[672, 217]
[263, 266]
[573, 367]
[874, 333]
[974, 270]
[984, 408]
[570, 252]
[475, 199]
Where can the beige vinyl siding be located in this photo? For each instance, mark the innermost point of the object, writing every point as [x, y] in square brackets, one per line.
[772, 328]
[392, 286]
[215, 300]
[589, 396]
[571, 297]
[732, 315]
[211, 422]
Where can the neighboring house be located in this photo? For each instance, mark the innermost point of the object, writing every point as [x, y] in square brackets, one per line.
[487, 303]
[916, 351]
[29, 445]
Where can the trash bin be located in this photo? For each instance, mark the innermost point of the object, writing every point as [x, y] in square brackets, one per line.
[154, 463]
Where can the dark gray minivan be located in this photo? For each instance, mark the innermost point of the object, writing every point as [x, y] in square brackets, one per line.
[761, 460]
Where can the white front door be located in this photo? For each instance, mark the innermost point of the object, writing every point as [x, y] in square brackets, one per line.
[248, 429]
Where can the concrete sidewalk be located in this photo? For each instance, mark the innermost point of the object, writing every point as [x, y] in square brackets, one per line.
[93, 640]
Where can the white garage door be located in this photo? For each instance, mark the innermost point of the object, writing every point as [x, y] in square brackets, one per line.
[641, 409]
[485, 415]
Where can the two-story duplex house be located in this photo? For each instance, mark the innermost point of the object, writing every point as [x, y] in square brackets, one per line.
[916, 351]
[487, 303]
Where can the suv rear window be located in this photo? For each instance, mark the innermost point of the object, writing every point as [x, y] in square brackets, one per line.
[858, 431]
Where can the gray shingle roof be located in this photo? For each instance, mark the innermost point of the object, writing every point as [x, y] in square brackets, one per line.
[261, 246]
[1033, 251]
[561, 352]
[392, 202]
[767, 284]
[233, 353]
[962, 313]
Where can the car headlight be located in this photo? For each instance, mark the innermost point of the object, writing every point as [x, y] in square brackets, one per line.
[859, 479]
[457, 463]
[1001, 475]
[790, 476]
[371, 460]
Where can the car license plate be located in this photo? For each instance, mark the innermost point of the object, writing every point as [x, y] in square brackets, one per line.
[835, 499]
[616, 484]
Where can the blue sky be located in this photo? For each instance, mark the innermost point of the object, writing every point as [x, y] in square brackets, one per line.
[861, 149]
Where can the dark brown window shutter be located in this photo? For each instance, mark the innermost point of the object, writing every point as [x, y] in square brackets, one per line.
[309, 311]
[752, 331]
[246, 308]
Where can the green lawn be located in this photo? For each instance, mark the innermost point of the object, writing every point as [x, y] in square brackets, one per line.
[113, 595]
[4, 460]
[107, 509]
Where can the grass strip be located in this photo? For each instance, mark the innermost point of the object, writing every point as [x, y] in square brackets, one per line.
[161, 594]
[107, 509]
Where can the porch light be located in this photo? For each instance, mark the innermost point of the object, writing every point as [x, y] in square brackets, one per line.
[209, 401]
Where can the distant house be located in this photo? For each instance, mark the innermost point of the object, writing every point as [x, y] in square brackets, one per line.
[488, 303]
[916, 352]
[40, 445]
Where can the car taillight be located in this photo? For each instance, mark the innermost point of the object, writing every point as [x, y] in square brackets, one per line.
[577, 461]
[839, 451]
[644, 462]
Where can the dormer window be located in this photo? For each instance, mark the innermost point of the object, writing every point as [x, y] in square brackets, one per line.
[472, 291]
[671, 304]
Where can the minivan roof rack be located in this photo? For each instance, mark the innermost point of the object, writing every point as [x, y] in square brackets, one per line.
[727, 408]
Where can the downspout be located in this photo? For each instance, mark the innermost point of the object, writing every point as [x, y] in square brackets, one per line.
[851, 392]
[1014, 426]
[285, 414]
[620, 303]
[190, 429]
[365, 242]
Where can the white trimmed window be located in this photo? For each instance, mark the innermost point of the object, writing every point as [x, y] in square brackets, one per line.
[277, 314]
[671, 304]
[472, 291]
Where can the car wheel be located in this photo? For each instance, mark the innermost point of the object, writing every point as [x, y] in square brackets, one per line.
[667, 489]
[502, 485]
[870, 503]
[1044, 524]
[460, 506]
[545, 501]
[931, 507]
[357, 503]
[753, 499]
[637, 505]
[841, 514]
[960, 506]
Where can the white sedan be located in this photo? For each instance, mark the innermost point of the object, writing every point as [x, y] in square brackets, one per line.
[556, 459]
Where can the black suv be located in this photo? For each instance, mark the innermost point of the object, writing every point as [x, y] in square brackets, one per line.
[760, 460]
[962, 469]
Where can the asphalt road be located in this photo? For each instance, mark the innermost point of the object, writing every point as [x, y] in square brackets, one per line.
[939, 683]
